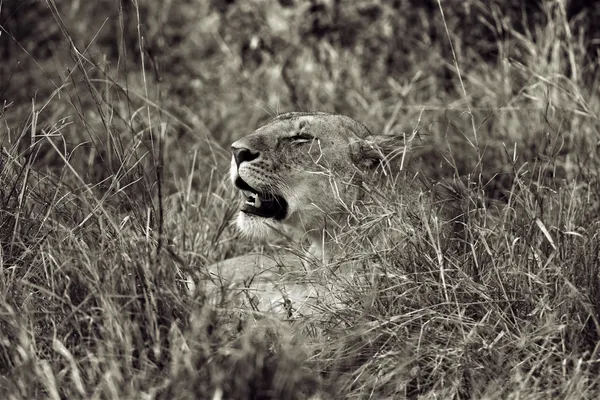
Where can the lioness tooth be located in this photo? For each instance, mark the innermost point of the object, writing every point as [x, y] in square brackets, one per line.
[257, 202]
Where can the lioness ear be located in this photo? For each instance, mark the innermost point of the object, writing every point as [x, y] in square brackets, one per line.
[376, 150]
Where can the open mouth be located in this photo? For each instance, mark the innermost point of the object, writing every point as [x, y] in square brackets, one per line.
[264, 205]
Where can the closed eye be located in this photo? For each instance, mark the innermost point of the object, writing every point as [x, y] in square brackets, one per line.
[301, 138]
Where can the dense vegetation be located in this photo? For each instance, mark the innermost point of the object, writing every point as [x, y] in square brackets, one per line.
[116, 118]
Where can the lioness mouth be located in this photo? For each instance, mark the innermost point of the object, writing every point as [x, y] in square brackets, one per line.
[264, 205]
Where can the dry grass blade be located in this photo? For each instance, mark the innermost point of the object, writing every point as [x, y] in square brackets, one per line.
[115, 128]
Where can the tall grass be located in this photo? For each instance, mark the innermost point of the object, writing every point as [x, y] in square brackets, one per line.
[116, 119]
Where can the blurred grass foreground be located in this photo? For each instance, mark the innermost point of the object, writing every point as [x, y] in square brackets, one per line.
[115, 123]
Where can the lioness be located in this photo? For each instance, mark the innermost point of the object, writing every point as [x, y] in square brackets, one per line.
[312, 175]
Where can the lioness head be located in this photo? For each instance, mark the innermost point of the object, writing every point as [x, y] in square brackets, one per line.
[301, 170]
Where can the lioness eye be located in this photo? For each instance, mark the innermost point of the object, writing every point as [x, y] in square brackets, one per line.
[301, 138]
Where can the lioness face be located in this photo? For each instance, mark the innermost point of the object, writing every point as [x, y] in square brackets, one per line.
[297, 171]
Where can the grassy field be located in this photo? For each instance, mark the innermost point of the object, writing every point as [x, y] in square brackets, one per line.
[115, 124]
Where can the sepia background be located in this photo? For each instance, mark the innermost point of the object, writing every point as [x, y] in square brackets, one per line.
[116, 118]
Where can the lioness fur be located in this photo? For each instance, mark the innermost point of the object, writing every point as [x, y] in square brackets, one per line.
[317, 176]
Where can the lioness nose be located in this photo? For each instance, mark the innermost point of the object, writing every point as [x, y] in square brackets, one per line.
[241, 154]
